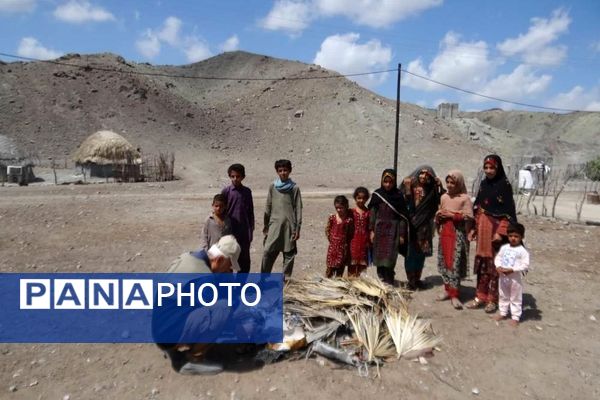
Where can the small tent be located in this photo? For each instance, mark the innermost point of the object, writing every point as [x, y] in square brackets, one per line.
[15, 166]
[107, 154]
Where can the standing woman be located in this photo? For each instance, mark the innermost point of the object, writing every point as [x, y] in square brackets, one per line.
[423, 190]
[494, 210]
[454, 220]
[388, 225]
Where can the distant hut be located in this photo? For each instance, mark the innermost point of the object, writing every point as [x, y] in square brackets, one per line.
[108, 154]
[15, 166]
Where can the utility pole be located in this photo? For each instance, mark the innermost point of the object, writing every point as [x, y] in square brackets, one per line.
[397, 120]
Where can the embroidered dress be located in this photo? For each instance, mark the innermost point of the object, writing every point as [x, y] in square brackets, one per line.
[359, 246]
[453, 249]
[494, 209]
[339, 234]
[388, 222]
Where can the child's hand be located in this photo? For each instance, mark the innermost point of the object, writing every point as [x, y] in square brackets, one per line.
[496, 237]
[295, 236]
[401, 240]
[472, 235]
[372, 236]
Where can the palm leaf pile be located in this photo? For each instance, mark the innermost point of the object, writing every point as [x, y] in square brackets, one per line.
[360, 319]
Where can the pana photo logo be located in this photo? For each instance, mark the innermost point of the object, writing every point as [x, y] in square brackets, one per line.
[128, 294]
[141, 308]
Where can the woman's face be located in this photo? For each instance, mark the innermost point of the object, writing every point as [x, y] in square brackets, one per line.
[388, 183]
[490, 170]
[450, 184]
[423, 177]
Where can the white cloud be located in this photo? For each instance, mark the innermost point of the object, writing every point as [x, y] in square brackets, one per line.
[80, 11]
[136, 15]
[535, 46]
[577, 99]
[32, 48]
[289, 16]
[521, 83]
[196, 50]
[148, 45]
[463, 64]
[343, 53]
[170, 31]
[293, 16]
[231, 44]
[595, 46]
[17, 6]
[374, 13]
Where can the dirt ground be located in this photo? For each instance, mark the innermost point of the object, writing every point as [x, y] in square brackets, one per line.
[553, 354]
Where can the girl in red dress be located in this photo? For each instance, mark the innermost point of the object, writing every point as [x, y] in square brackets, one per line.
[359, 246]
[339, 231]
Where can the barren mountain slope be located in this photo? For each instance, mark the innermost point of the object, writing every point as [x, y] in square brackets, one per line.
[569, 138]
[344, 130]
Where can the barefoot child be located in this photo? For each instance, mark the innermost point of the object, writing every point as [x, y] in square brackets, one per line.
[240, 208]
[359, 246]
[217, 224]
[454, 220]
[339, 231]
[283, 219]
[512, 262]
[388, 226]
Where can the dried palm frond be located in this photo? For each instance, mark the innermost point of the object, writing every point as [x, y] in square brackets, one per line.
[368, 330]
[307, 312]
[369, 286]
[409, 333]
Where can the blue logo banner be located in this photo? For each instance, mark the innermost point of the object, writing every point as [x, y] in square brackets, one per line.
[141, 308]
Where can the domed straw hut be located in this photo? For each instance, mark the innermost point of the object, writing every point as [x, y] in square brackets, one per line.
[15, 166]
[107, 154]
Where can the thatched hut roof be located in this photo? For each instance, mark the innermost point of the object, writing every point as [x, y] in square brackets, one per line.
[10, 153]
[106, 147]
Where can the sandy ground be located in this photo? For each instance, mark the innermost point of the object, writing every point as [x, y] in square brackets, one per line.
[554, 353]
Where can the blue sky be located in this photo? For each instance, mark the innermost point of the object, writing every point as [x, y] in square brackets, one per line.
[540, 52]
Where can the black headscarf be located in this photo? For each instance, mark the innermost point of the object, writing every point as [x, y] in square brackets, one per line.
[393, 196]
[495, 196]
[425, 211]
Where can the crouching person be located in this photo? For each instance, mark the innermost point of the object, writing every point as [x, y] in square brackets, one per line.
[187, 356]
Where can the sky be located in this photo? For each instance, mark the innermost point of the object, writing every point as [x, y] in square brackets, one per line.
[542, 53]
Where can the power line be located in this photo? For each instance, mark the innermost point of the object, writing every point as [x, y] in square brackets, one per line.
[489, 97]
[293, 78]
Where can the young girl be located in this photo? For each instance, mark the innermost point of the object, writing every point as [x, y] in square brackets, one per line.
[512, 262]
[422, 190]
[339, 231]
[454, 219]
[359, 246]
[217, 224]
[388, 225]
[494, 209]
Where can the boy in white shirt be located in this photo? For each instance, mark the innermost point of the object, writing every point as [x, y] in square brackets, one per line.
[512, 262]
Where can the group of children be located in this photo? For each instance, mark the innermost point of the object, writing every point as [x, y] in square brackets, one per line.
[398, 220]
[401, 220]
[233, 213]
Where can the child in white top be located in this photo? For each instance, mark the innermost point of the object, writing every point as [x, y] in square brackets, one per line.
[512, 262]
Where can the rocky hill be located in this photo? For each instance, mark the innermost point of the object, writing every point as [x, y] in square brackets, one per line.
[336, 133]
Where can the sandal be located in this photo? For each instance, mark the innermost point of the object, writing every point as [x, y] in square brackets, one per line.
[474, 304]
[490, 308]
